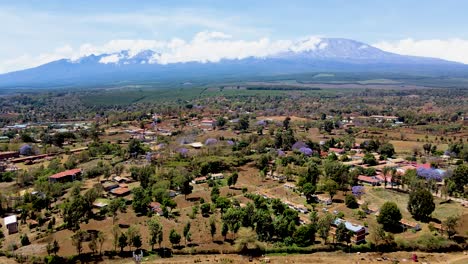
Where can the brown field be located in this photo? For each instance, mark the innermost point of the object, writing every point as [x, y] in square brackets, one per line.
[335, 257]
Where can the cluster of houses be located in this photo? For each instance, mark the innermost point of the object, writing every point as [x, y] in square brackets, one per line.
[212, 176]
[298, 207]
[359, 232]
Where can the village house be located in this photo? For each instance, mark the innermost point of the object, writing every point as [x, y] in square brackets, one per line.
[290, 186]
[276, 176]
[217, 176]
[66, 176]
[199, 180]
[156, 208]
[208, 123]
[11, 223]
[368, 180]
[120, 191]
[337, 151]
[405, 224]
[108, 185]
[9, 155]
[358, 231]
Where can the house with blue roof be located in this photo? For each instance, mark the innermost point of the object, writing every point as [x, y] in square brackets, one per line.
[359, 232]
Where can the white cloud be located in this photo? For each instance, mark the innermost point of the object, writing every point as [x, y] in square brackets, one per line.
[205, 46]
[450, 49]
[110, 59]
[213, 46]
[307, 44]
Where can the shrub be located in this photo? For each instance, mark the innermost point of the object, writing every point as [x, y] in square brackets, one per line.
[351, 201]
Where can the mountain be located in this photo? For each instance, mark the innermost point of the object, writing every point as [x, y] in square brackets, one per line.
[307, 56]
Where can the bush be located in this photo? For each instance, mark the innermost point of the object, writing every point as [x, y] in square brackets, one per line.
[351, 201]
[24, 239]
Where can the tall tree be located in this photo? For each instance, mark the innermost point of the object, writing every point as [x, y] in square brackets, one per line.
[154, 230]
[101, 238]
[187, 232]
[77, 240]
[421, 204]
[324, 225]
[212, 227]
[389, 216]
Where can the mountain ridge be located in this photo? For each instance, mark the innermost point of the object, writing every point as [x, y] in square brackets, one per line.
[310, 55]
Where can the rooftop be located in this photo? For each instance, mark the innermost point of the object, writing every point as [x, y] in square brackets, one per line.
[10, 219]
[65, 173]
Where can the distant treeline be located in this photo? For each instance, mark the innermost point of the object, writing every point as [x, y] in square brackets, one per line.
[283, 88]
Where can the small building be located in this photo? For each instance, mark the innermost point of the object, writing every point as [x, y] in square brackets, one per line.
[156, 208]
[405, 224]
[217, 176]
[208, 123]
[120, 179]
[11, 223]
[368, 180]
[337, 151]
[120, 192]
[290, 186]
[358, 231]
[199, 180]
[196, 145]
[173, 193]
[108, 185]
[9, 155]
[66, 176]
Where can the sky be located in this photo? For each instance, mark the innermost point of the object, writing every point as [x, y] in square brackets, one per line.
[39, 31]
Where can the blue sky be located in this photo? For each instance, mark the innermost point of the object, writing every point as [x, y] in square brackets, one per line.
[37, 31]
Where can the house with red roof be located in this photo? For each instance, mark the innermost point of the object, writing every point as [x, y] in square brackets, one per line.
[368, 180]
[66, 176]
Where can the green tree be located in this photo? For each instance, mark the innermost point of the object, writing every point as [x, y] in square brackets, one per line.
[459, 178]
[136, 241]
[224, 230]
[114, 206]
[101, 238]
[309, 190]
[232, 180]
[122, 241]
[186, 232]
[135, 147]
[331, 187]
[141, 200]
[93, 244]
[212, 227]
[304, 235]
[369, 159]
[24, 239]
[220, 121]
[342, 234]
[243, 123]
[386, 150]
[421, 204]
[324, 225]
[55, 247]
[205, 209]
[389, 216]
[154, 230]
[450, 224]
[77, 240]
[247, 240]
[351, 201]
[132, 232]
[174, 237]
